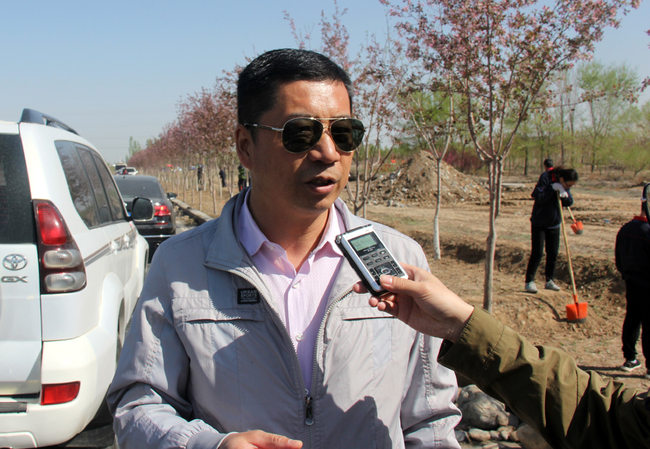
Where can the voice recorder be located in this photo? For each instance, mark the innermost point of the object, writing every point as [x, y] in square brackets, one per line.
[369, 257]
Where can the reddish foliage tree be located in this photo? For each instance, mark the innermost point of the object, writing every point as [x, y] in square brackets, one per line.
[499, 54]
[377, 73]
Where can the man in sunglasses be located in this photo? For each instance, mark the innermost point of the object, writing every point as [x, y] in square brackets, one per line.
[248, 332]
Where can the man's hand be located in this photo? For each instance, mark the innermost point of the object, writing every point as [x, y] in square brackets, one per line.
[257, 439]
[422, 302]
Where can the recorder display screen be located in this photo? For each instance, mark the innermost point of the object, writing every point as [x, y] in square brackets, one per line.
[363, 243]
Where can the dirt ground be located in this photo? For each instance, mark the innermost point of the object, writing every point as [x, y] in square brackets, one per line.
[407, 203]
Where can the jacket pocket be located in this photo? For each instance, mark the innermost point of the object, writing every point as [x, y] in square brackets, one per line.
[380, 328]
[212, 333]
[217, 315]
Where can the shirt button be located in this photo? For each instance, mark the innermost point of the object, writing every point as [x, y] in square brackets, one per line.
[299, 336]
[295, 285]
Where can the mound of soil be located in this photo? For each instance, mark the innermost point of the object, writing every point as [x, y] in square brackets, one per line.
[415, 183]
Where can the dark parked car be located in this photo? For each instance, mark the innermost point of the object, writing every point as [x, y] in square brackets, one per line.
[163, 224]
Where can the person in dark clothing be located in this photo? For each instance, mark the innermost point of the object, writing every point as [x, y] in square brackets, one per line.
[548, 164]
[632, 255]
[545, 222]
[241, 176]
[222, 175]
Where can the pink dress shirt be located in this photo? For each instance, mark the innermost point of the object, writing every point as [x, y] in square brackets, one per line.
[299, 297]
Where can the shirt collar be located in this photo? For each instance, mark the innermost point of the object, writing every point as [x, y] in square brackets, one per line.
[252, 238]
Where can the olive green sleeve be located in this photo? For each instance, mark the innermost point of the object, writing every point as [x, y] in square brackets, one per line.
[544, 387]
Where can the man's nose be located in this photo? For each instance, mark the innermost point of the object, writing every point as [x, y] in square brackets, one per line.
[325, 149]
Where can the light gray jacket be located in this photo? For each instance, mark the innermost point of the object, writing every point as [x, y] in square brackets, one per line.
[207, 354]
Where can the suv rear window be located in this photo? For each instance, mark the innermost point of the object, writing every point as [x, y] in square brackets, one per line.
[91, 185]
[137, 186]
[16, 214]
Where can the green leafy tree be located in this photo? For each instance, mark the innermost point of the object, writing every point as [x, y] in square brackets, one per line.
[636, 156]
[134, 147]
[609, 92]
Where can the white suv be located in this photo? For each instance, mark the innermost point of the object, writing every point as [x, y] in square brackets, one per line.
[72, 265]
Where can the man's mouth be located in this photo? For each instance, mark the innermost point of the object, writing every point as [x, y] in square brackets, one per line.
[321, 182]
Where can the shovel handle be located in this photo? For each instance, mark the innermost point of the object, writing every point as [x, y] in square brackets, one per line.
[566, 245]
[572, 217]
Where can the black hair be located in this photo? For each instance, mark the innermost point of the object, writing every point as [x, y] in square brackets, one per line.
[258, 83]
[548, 163]
[568, 174]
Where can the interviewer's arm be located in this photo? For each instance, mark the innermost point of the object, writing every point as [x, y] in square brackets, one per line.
[571, 408]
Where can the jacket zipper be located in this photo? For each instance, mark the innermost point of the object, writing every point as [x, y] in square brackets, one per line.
[309, 415]
[321, 330]
[309, 412]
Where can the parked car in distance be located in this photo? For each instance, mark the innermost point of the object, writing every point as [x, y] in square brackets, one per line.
[163, 224]
[127, 171]
[72, 266]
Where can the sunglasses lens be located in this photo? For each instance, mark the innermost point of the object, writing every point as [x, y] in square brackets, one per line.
[301, 134]
[347, 133]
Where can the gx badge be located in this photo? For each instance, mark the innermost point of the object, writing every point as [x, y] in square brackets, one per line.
[13, 279]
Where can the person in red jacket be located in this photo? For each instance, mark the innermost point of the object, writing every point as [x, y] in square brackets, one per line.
[545, 223]
[632, 254]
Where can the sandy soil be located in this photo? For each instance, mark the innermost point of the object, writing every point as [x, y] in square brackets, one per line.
[541, 317]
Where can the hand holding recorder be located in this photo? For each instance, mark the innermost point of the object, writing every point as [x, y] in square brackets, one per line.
[422, 302]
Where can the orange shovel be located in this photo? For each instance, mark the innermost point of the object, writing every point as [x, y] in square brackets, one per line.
[576, 312]
[577, 226]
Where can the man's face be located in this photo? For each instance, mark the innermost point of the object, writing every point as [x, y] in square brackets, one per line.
[296, 186]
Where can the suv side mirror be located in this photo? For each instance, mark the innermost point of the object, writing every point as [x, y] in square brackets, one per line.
[142, 209]
[171, 195]
[646, 200]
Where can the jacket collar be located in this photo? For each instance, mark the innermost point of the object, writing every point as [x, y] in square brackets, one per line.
[225, 252]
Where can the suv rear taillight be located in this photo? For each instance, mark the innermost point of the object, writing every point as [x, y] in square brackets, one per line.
[162, 211]
[62, 267]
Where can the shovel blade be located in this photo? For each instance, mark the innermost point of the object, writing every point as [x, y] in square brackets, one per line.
[577, 227]
[576, 312]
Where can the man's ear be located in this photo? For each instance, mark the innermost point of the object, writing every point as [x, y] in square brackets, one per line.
[244, 143]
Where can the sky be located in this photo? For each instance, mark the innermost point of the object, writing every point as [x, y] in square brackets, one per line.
[118, 69]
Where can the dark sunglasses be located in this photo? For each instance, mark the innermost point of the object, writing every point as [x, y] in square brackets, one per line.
[303, 133]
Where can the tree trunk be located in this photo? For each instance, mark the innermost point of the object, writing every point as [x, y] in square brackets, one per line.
[489, 262]
[214, 193]
[526, 162]
[495, 174]
[200, 197]
[436, 227]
